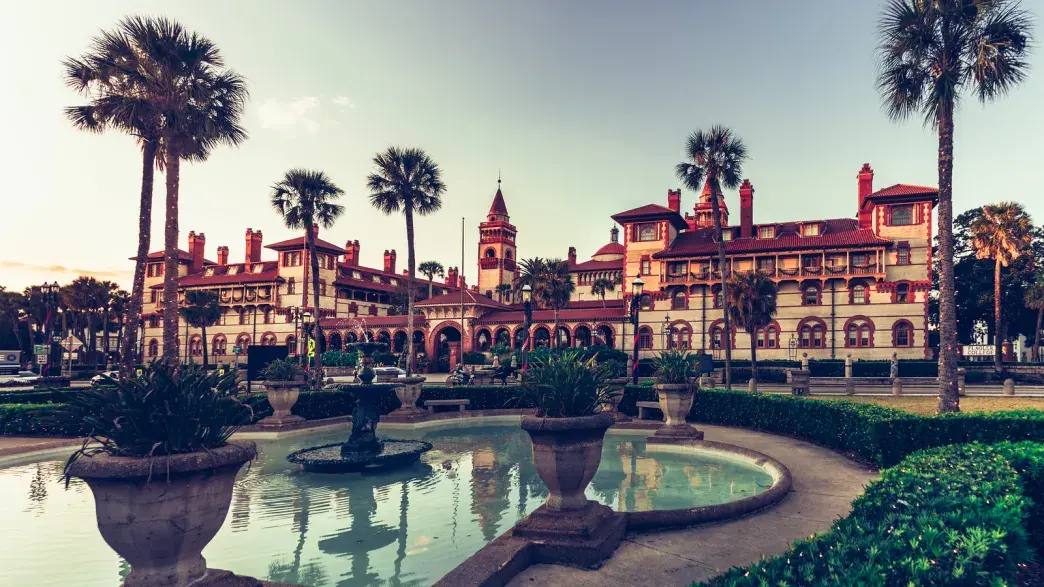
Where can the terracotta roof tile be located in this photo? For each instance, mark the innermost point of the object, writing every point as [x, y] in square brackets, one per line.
[375, 322]
[903, 189]
[299, 242]
[651, 212]
[453, 298]
[499, 207]
[837, 232]
[182, 256]
[269, 274]
[610, 249]
[548, 316]
[593, 265]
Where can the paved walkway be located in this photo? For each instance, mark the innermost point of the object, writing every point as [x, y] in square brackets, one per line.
[825, 483]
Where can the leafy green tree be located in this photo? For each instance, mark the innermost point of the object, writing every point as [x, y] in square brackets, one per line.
[1002, 233]
[715, 156]
[12, 304]
[430, 269]
[1034, 298]
[305, 200]
[551, 283]
[201, 309]
[930, 53]
[407, 180]
[602, 286]
[752, 306]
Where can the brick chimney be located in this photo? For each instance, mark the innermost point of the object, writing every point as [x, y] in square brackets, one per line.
[572, 255]
[222, 254]
[389, 261]
[746, 193]
[451, 277]
[351, 257]
[196, 244]
[674, 199]
[253, 246]
[866, 187]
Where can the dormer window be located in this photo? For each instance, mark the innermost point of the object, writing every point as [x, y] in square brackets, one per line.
[767, 232]
[810, 229]
[394, 281]
[233, 270]
[356, 275]
[901, 215]
[645, 232]
[208, 272]
[258, 268]
[726, 235]
[376, 278]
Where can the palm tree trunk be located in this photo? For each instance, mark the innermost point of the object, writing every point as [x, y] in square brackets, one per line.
[1036, 335]
[203, 333]
[410, 262]
[430, 277]
[727, 332]
[998, 329]
[170, 258]
[105, 333]
[753, 357]
[949, 401]
[555, 337]
[17, 333]
[313, 263]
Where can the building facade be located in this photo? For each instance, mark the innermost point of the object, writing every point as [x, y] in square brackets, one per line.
[855, 285]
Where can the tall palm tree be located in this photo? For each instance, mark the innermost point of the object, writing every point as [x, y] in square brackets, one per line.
[407, 180]
[929, 53]
[12, 304]
[201, 309]
[504, 292]
[716, 156]
[752, 306]
[1002, 233]
[430, 269]
[602, 286]
[173, 82]
[552, 285]
[105, 297]
[120, 302]
[305, 199]
[1034, 297]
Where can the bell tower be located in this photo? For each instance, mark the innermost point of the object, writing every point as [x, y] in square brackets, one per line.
[496, 249]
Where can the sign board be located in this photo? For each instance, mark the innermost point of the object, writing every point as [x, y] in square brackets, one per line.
[311, 348]
[40, 349]
[977, 350]
[10, 356]
[71, 343]
[41, 359]
[139, 372]
[237, 350]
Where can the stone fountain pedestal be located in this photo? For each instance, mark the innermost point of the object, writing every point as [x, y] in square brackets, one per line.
[408, 393]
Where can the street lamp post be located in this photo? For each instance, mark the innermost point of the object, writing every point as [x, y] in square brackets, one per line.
[665, 330]
[637, 288]
[305, 319]
[527, 309]
[294, 313]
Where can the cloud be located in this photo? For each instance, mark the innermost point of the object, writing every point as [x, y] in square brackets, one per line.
[30, 273]
[289, 115]
[344, 101]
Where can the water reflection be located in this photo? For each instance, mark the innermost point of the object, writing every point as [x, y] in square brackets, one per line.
[406, 527]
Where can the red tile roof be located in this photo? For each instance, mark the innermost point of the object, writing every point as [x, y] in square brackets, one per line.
[299, 243]
[453, 298]
[581, 304]
[837, 233]
[610, 249]
[269, 274]
[499, 207]
[182, 256]
[903, 189]
[651, 212]
[593, 265]
[374, 322]
[548, 316]
[364, 284]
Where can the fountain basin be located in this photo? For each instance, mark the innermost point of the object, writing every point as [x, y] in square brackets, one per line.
[329, 458]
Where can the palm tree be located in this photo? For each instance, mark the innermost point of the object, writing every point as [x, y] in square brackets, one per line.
[929, 52]
[120, 302]
[715, 156]
[752, 306]
[406, 180]
[304, 198]
[201, 309]
[1034, 297]
[603, 286]
[12, 304]
[430, 269]
[504, 292]
[154, 77]
[105, 297]
[1002, 233]
[552, 285]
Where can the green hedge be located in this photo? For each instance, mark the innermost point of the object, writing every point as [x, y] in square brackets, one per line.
[958, 515]
[34, 420]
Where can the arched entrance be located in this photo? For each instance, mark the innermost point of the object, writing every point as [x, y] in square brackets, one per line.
[335, 341]
[502, 337]
[384, 337]
[541, 337]
[520, 338]
[563, 338]
[605, 336]
[447, 349]
[483, 341]
[399, 342]
[582, 339]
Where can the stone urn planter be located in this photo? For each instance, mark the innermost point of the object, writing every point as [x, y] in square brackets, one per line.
[618, 386]
[675, 402]
[568, 527]
[160, 513]
[282, 395]
[408, 393]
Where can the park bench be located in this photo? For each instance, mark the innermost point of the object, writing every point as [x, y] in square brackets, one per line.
[431, 404]
[644, 407]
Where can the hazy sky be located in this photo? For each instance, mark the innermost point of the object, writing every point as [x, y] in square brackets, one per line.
[583, 106]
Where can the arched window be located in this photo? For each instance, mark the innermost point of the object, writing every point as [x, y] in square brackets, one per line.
[268, 316]
[645, 338]
[811, 333]
[219, 345]
[859, 332]
[860, 295]
[717, 341]
[646, 302]
[154, 321]
[903, 334]
[716, 294]
[507, 254]
[268, 339]
[902, 293]
[153, 347]
[291, 286]
[196, 346]
[679, 337]
[810, 294]
[291, 344]
[243, 341]
[679, 300]
[768, 337]
[490, 253]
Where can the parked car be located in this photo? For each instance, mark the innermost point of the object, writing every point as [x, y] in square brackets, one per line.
[20, 377]
[100, 378]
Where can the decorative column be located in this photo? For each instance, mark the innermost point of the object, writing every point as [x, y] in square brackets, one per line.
[849, 381]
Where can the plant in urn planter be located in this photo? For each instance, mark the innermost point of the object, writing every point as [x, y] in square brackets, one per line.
[567, 431]
[161, 467]
[675, 386]
[283, 381]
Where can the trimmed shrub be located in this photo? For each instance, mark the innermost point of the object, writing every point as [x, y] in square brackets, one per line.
[957, 515]
[35, 420]
[474, 358]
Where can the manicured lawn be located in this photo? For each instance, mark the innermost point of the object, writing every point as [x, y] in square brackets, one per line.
[927, 405]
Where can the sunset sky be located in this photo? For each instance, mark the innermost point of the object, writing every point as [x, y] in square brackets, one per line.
[583, 106]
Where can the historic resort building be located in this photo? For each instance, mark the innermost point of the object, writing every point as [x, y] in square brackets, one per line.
[854, 286]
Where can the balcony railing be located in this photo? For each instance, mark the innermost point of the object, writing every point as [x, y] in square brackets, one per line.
[489, 263]
[864, 269]
[789, 271]
[811, 271]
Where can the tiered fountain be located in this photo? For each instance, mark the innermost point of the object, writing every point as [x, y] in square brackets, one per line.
[363, 451]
